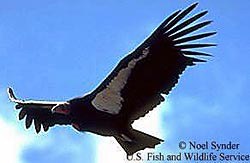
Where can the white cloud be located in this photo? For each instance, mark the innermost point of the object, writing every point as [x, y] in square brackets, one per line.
[108, 150]
[12, 143]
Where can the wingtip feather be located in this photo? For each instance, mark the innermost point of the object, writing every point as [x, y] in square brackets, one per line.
[192, 6]
[181, 15]
[198, 60]
[191, 46]
[195, 53]
[28, 121]
[185, 23]
[10, 93]
[193, 37]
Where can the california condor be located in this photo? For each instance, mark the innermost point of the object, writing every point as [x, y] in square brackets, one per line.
[131, 90]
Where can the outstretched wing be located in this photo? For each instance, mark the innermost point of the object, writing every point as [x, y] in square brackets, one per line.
[137, 83]
[38, 111]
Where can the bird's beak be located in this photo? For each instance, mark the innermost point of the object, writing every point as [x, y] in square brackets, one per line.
[61, 109]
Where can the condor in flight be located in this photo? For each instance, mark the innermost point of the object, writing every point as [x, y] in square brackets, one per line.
[134, 88]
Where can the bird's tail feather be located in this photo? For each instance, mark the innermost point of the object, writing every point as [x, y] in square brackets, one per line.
[139, 141]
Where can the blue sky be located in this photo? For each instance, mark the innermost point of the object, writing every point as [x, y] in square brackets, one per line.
[61, 49]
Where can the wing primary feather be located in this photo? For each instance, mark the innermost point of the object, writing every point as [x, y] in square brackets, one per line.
[45, 127]
[189, 30]
[37, 125]
[180, 16]
[28, 121]
[197, 60]
[190, 46]
[158, 31]
[11, 94]
[186, 23]
[18, 106]
[196, 53]
[167, 20]
[194, 37]
[22, 114]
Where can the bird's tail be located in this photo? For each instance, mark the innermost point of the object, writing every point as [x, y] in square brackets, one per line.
[139, 141]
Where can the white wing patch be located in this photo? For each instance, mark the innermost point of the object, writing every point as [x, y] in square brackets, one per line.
[109, 100]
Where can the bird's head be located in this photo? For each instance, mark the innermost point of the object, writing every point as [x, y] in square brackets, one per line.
[63, 108]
